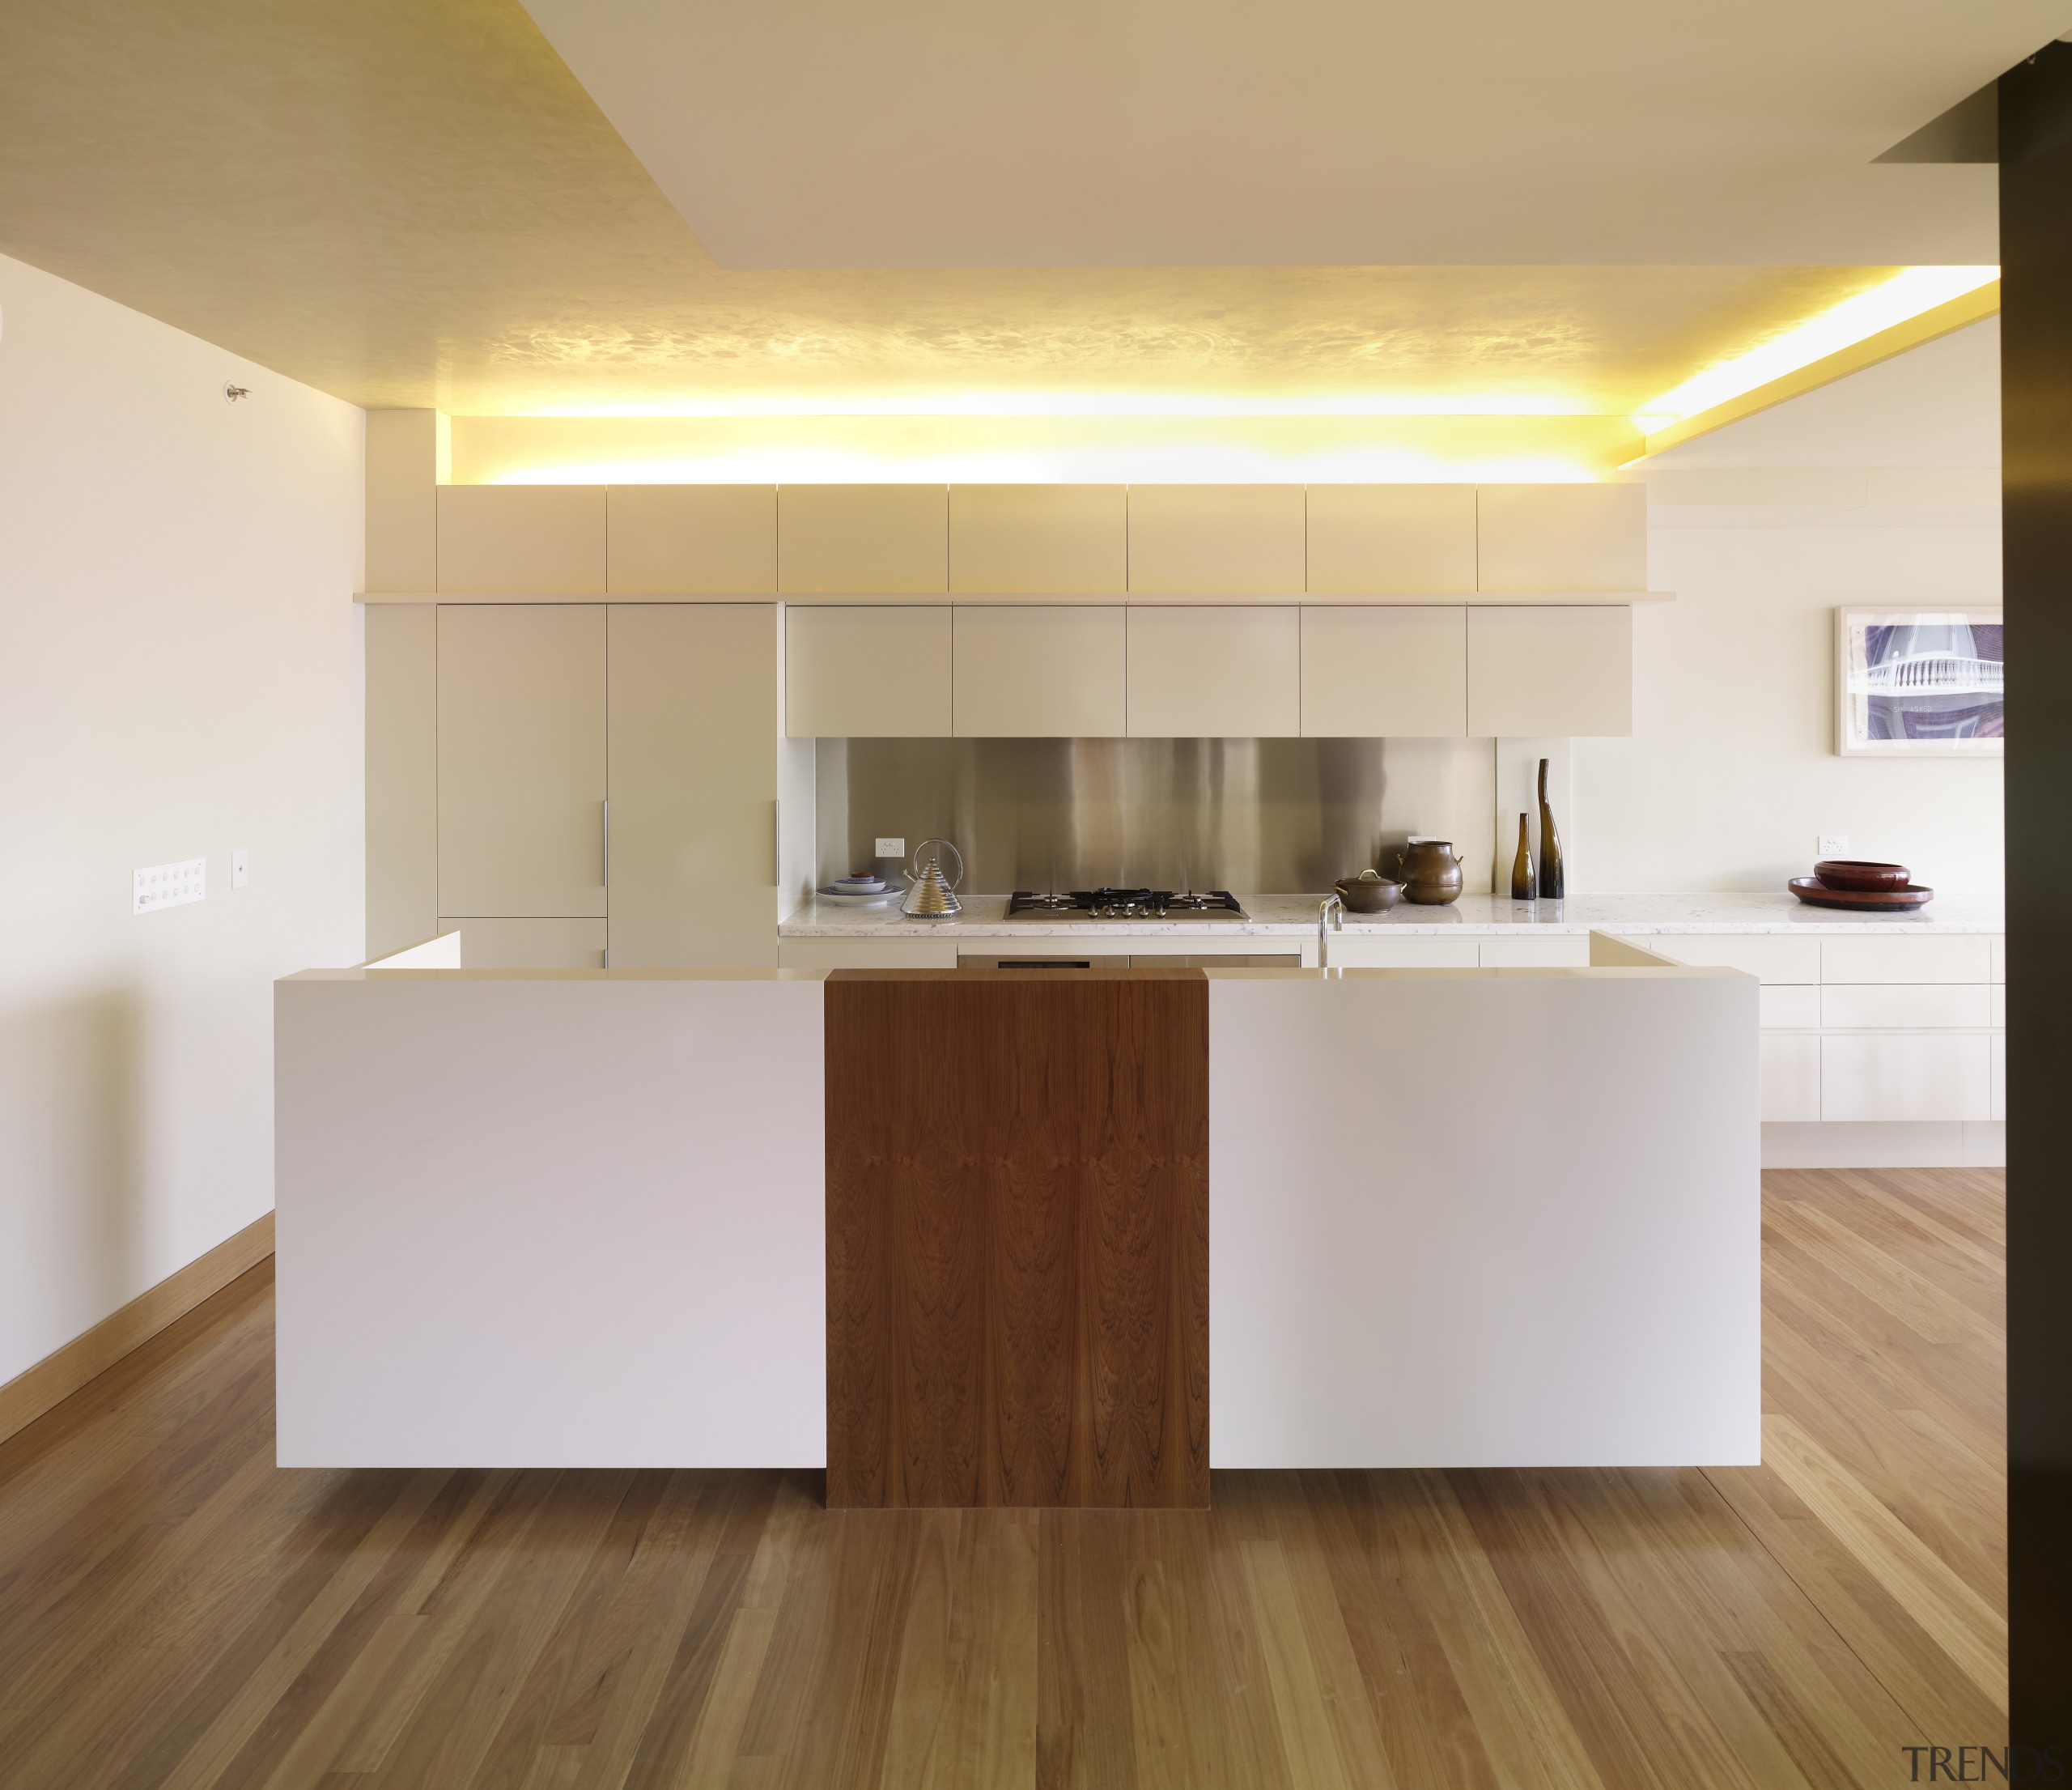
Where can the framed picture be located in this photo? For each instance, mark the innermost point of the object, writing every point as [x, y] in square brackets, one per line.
[1919, 683]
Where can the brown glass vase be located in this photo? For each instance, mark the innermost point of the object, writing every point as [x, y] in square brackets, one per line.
[1523, 887]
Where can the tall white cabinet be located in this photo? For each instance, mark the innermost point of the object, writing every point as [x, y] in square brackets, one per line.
[574, 785]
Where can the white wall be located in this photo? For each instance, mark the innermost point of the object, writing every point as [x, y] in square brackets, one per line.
[1883, 488]
[179, 676]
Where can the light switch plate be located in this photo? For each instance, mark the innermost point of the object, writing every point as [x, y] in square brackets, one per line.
[240, 870]
[169, 885]
[1833, 845]
[892, 847]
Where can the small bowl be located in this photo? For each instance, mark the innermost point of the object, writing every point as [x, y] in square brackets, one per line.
[1862, 875]
[1368, 894]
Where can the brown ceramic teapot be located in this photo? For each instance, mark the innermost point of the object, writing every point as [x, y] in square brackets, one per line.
[1431, 873]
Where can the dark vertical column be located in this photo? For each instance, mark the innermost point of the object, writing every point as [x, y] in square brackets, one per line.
[2036, 384]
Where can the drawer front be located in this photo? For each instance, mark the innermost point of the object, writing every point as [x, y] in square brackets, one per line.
[1791, 1078]
[1999, 943]
[1767, 958]
[867, 953]
[1963, 959]
[2000, 1007]
[1349, 953]
[1998, 1110]
[1788, 1007]
[1916, 1005]
[1566, 951]
[1906, 1075]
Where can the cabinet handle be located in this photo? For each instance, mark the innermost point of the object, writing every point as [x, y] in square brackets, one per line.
[608, 843]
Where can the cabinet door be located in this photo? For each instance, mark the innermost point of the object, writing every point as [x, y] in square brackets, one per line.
[521, 759]
[1054, 539]
[1766, 957]
[521, 537]
[867, 953]
[1350, 951]
[1217, 538]
[1906, 1075]
[867, 537]
[1049, 672]
[1959, 958]
[1556, 670]
[863, 671]
[1215, 673]
[692, 537]
[1848, 1006]
[1391, 537]
[1561, 538]
[1791, 1078]
[694, 784]
[1374, 672]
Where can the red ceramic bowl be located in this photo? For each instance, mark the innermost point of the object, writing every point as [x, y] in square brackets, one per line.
[1861, 874]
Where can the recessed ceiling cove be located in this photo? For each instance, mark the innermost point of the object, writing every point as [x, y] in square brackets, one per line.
[941, 133]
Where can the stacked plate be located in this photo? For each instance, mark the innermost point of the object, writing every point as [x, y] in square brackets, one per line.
[1861, 884]
[858, 892]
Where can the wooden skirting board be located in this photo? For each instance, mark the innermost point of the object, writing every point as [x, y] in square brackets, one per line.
[59, 1375]
[1017, 1238]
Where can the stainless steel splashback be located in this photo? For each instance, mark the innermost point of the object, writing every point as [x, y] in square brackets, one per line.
[1272, 816]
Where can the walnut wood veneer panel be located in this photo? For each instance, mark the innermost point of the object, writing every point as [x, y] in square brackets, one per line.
[1017, 1238]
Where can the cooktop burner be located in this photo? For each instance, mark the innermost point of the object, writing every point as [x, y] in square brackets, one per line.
[1111, 903]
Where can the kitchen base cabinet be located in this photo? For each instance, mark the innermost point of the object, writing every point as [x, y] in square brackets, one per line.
[1348, 951]
[1568, 951]
[921, 952]
[497, 944]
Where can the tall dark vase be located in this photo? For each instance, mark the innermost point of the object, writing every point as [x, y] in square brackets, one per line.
[1523, 888]
[1550, 843]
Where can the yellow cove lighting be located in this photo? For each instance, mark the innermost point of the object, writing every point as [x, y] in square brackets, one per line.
[1906, 295]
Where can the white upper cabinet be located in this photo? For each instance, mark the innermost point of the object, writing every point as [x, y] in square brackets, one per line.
[1217, 538]
[1579, 538]
[1370, 671]
[1052, 672]
[863, 538]
[867, 670]
[1383, 537]
[1016, 540]
[693, 539]
[521, 539]
[1215, 672]
[1550, 671]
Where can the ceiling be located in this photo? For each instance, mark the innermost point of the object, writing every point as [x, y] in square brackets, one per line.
[1312, 133]
[417, 203]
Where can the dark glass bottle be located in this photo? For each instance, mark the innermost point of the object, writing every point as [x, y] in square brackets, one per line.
[1550, 843]
[1523, 888]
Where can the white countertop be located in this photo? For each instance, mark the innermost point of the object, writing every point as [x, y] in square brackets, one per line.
[1279, 916]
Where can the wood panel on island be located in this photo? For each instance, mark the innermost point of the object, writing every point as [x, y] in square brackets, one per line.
[1017, 1239]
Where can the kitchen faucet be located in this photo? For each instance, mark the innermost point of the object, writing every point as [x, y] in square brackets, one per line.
[1330, 909]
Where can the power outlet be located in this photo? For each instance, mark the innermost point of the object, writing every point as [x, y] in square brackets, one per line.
[1833, 845]
[892, 847]
[240, 870]
[169, 885]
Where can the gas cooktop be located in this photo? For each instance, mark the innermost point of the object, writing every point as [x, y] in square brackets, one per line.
[1124, 904]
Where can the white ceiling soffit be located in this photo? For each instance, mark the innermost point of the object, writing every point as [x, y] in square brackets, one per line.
[940, 134]
[1938, 405]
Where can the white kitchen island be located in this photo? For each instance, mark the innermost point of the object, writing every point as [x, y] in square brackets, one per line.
[1500, 1217]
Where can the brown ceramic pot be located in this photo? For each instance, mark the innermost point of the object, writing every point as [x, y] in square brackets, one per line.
[1368, 893]
[1861, 874]
[1431, 873]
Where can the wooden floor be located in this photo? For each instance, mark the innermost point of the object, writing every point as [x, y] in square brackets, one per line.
[175, 1611]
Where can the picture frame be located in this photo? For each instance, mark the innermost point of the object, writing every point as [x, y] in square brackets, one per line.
[1916, 682]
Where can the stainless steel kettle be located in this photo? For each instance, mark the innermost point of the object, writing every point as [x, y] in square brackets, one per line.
[933, 895]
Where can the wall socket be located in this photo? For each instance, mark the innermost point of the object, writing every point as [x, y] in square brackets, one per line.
[1833, 845]
[240, 870]
[892, 847]
[169, 885]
